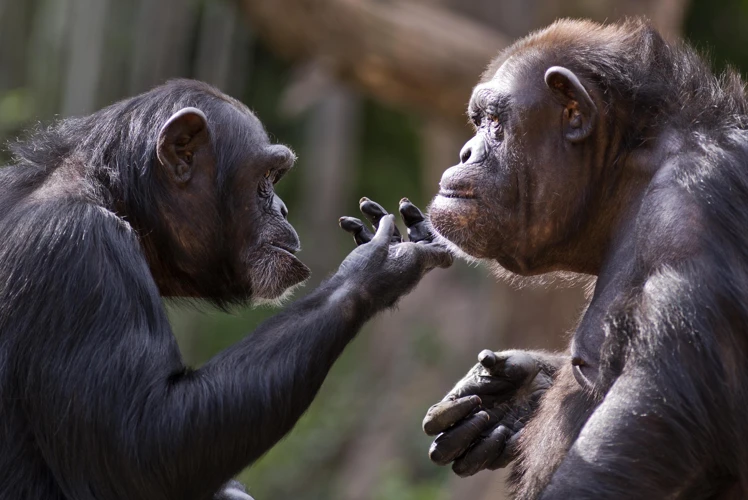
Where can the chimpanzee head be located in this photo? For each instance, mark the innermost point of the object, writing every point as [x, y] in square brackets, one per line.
[524, 192]
[218, 170]
[192, 171]
[225, 231]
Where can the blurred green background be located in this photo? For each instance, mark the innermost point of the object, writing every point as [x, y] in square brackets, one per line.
[370, 94]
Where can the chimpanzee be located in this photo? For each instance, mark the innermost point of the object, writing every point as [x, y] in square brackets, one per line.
[169, 193]
[606, 150]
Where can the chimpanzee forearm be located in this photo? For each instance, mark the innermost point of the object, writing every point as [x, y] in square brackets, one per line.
[283, 363]
[250, 396]
[151, 427]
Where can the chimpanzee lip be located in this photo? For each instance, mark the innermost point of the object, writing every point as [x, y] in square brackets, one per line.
[455, 194]
[285, 248]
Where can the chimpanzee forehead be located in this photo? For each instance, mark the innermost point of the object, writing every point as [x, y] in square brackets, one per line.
[495, 92]
[239, 124]
[519, 80]
[488, 97]
[238, 137]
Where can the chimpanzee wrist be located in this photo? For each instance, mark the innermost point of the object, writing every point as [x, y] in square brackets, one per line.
[348, 295]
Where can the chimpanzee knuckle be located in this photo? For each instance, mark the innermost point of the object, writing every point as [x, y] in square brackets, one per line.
[469, 464]
[524, 362]
[508, 454]
[420, 232]
[482, 453]
[452, 443]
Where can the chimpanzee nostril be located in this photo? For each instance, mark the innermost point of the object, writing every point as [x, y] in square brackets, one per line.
[474, 151]
[284, 210]
[465, 154]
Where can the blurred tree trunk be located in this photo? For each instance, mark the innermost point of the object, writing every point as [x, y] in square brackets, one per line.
[164, 36]
[330, 144]
[83, 69]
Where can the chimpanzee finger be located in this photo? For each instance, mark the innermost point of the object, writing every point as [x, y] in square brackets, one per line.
[515, 366]
[483, 454]
[435, 256]
[445, 414]
[411, 213]
[415, 221]
[385, 231]
[452, 443]
[374, 212]
[358, 229]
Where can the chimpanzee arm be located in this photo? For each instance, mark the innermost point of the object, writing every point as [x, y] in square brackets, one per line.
[660, 428]
[110, 387]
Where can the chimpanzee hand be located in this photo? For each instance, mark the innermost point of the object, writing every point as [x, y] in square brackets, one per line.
[383, 266]
[479, 420]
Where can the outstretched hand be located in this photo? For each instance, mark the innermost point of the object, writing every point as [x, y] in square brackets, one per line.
[385, 266]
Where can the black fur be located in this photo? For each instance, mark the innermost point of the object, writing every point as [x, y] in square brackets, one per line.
[674, 375]
[656, 405]
[96, 401]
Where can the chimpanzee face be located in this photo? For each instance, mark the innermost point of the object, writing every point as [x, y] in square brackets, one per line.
[521, 180]
[229, 230]
[263, 239]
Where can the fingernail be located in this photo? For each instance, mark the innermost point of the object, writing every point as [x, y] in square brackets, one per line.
[404, 200]
[436, 455]
[476, 400]
[363, 200]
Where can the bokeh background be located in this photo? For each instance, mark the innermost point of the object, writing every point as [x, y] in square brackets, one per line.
[371, 95]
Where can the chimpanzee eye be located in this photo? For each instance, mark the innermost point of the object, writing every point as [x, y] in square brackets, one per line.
[498, 127]
[267, 174]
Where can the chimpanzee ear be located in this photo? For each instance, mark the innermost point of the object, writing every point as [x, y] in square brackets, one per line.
[580, 113]
[179, 139]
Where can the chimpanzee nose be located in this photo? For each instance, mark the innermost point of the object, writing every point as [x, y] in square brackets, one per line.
[474, 150]
[280, 206]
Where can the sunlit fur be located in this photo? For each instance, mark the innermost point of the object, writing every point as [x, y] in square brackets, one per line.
[557, 279]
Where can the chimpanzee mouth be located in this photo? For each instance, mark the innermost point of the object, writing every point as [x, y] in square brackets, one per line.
[457, 195]
[286, 248]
